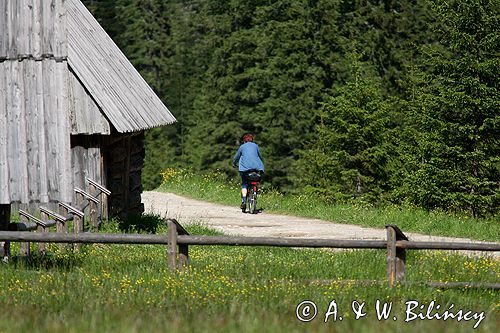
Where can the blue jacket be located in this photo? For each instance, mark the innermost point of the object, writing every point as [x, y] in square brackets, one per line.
[248, 157]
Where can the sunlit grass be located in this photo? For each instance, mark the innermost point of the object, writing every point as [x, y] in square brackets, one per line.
[128, 288]
[215, 187]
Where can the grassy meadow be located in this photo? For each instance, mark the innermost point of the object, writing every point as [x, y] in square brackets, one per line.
[214, 187]
[128, 288]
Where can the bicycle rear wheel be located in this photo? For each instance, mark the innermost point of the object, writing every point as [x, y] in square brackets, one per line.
[252, 201]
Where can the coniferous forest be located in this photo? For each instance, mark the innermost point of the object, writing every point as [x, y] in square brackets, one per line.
[372, 100]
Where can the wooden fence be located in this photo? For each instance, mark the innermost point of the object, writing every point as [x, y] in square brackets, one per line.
[178, 241]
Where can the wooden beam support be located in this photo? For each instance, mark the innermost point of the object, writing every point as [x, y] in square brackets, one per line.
[396, 256]
[32, 218]
[71, 209]
[99, 186]
[24, 246]
[86, 195]
[172, 245]
[183, 248]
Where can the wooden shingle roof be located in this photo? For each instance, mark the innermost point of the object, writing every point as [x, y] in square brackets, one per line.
[118, 89]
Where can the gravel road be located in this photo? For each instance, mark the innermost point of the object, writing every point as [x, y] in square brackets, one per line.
[232, 221]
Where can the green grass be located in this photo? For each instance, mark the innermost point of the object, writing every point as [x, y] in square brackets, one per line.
[128, 288]
[215, 188]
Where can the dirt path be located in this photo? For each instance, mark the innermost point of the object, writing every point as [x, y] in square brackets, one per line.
[232, 221]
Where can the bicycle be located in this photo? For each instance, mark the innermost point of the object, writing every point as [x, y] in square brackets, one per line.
[252, 179]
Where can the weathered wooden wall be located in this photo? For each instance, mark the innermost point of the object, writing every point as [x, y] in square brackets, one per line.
[33, 29]
[35, 156]
[41, 104]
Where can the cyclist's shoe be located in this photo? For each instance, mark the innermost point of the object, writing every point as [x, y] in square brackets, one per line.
[243, 206]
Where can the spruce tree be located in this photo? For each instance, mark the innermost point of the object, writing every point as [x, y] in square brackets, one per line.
[455, 164]
[351, 155]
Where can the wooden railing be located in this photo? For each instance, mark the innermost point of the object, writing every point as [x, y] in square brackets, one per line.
[87, 202]
[178, 241]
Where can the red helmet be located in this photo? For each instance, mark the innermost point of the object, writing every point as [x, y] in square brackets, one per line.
[248, 137]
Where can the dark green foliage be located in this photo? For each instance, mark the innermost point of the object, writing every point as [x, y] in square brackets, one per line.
[454, 162]
[351, 155]
[393, 123]
[105, 12]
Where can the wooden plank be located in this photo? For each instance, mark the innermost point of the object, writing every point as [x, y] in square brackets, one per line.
[197, 240]
[86, 117]
[24, 23]
[52, 145]
[32, 127]
[396, 256]
[60, 30]
[12, 31]
[104, 198]
[62, 226]
[94, 223]
[4, 166]
[22, 167]
[13, 126]
[47, 36]
[36, 43]
[64, 132]
[3, 30]
[183, 248]
[41, 133]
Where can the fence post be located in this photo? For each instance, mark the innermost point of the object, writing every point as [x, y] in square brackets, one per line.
[24, 246]
[183, 248]
[93, 208]
[78, 222]
[396, 257]
[172, 245]
[42, 247]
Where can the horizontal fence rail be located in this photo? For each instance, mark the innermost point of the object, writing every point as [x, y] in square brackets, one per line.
[178, 240]
[448, 246]
[90, 237]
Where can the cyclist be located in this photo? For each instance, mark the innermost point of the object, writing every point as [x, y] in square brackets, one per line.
[248, 158]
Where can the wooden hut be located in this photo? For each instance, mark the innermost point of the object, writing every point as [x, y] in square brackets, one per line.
[72, 107]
